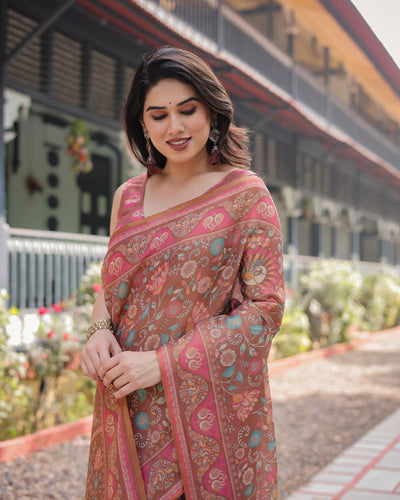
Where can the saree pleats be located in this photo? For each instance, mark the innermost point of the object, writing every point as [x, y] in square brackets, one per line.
[202, 284]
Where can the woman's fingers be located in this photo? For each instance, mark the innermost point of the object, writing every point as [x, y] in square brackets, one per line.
[101, 346]
[124, 391]
[88, 369]
[130, 371]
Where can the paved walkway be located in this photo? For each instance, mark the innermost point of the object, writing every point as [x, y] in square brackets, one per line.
[368, 470]
[331, 418]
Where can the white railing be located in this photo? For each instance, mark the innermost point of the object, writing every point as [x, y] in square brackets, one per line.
[46, 267]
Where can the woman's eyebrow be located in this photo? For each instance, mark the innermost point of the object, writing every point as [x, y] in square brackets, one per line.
[179, 103]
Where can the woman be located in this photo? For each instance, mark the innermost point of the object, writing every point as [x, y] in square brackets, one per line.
[192, 297]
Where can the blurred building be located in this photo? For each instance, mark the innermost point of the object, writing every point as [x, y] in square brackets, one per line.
[309, 77]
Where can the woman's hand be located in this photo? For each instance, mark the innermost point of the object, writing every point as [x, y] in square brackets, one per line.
[100, 348]
[130, 371]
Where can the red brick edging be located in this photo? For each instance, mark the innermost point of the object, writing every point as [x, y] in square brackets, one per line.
[23, 445]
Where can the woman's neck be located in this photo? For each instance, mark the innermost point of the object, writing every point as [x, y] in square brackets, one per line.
[180, 172]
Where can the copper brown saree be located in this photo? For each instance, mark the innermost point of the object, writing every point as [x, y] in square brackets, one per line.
[203, 284]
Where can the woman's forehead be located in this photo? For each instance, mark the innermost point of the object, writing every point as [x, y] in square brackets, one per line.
[170, 91]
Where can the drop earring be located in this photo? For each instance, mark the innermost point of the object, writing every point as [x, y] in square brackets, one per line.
[150, 162]
[214, 157]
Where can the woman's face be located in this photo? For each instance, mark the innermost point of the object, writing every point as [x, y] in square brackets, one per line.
[177, 121]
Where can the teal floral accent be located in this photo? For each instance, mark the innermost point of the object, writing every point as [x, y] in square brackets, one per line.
[234, 322]
[123, 291]
[217, 246]
[130, 339]
[255, 439]
[142, 420]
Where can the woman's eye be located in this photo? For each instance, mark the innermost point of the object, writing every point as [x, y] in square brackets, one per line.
[159, 117]
[188, 111]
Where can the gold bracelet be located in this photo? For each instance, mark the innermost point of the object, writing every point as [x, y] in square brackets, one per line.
[104, 324]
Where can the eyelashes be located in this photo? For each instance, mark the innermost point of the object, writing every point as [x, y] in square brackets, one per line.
[188, 112]
[185, 113]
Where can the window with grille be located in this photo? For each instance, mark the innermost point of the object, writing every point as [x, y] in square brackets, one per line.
[66, 70]
[57, 65]
[103, 84]
[25, 68]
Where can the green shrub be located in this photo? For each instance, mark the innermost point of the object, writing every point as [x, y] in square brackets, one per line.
[41, 385]
[380, 298]
[294, 335]
[14, 397]
[329, 294]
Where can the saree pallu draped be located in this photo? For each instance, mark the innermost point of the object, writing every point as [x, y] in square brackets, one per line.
[201, 283]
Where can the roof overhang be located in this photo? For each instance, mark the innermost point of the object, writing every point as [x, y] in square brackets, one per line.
[241, 83]
[148, 29]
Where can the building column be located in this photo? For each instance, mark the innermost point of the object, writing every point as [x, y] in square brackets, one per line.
[293, 248]
[316, 240]
[3, 206]
[385, 251]
[355, 245]
[386, 231]
[334, 242]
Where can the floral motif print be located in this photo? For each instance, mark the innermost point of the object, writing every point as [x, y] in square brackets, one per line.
[262, 266]
[203, 286]
[244, 403]
[228, 357]
[157, 279]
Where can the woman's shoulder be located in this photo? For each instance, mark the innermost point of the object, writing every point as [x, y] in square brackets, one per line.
[250, 179]
[128, 194]
[136, 182]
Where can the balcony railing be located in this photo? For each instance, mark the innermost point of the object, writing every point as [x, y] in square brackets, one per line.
[222, 30]
[46, 267]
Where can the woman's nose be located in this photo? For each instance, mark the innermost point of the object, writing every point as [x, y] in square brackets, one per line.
[175, 124]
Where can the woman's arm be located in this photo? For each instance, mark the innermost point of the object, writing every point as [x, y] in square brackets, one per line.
[102, 345]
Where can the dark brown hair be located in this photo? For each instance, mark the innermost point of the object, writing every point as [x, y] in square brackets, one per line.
[188, 68]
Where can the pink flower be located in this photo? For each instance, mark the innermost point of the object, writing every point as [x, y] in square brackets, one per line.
[228, 357]
[66, 336]
[43, 310]
[96, 288]
[255, 366]
[50, 334]
[248, 476]
[57, 308]
[244, 403]
[173, 309]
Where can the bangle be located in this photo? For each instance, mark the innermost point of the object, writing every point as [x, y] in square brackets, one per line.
[104, 324]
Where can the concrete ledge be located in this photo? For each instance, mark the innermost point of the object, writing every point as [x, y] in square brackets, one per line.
[23, 445]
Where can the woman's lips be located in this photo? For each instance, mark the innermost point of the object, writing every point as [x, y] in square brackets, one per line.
[179, 144]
